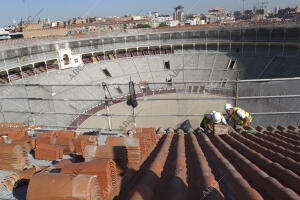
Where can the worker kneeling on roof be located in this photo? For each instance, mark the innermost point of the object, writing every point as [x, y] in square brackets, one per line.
[238, 115]
[212, 118]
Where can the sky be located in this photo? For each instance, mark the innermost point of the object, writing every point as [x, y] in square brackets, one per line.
[11, 10]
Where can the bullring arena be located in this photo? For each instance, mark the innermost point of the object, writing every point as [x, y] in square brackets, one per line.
[56, 91]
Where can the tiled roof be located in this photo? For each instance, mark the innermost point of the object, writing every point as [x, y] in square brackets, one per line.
[245, 165]
[261, 163]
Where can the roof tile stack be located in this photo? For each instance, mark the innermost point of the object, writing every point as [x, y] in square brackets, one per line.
[132, 146]
[105, 170]
[133, 156]
[116, 153]
[16, 179]
[13, 157]
[27, 142]
[49, 186]
[148, 133]
[13, 133]
[147, 138]
[83, 140]
[144, 145]
[67, 144]
[46, 137]
[50, 152]
[65, 134]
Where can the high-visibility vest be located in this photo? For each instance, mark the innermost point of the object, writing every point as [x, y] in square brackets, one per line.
[237, 119]
[210, 121]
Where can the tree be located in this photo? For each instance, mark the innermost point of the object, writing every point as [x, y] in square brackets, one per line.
[163, 24]
[142, 26]
[203, 17]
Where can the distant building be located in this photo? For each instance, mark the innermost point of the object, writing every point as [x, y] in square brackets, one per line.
[276, 10]
[217, 15]
[46, 21]
[153, 14]
[192, 20]
[160, 19]
[288, 13]
[178, 14]
[137, 17]
[248, 14]
[215, 10]
[173, 23]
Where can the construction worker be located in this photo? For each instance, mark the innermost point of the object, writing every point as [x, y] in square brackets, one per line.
[210, 119]
[238, 115]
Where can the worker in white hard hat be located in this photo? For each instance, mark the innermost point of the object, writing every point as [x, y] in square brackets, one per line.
[212, 118]
[240, 116]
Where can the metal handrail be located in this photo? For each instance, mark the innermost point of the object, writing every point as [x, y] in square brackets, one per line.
[154, 99]
[136, 115]
[149, 83]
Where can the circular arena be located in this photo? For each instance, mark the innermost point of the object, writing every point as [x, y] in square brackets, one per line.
[73, 85]
[54, 82]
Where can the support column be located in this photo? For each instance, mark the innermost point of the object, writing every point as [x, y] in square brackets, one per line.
[206, 42]
[29, 107]
[242, 36]
[8, 76]
[298, 50]
[269, 49]
[194, 43]
[237, 89]
[34, 69]
[283, 42]
[218, 46]
[22, 74]
[103, 47]
[159, 40]
[46, 66]
[230, 41]
[182, 43]
[115, 46]
[255, 46]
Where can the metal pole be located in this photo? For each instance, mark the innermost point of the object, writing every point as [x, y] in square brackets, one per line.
[134, 118]
[3, 116]
[29, 107]
[237, 89]
[108, 117]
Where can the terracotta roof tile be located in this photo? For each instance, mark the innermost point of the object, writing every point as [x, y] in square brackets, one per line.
[48, 152]
[49, 186]
[243, 164]
[248, 165]
[105, 170]
[13, 157]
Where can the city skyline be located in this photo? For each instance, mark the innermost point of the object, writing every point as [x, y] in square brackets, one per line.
[16, 10]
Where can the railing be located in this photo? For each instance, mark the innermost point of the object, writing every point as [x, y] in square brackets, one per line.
[15, 44]
[258, 102]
